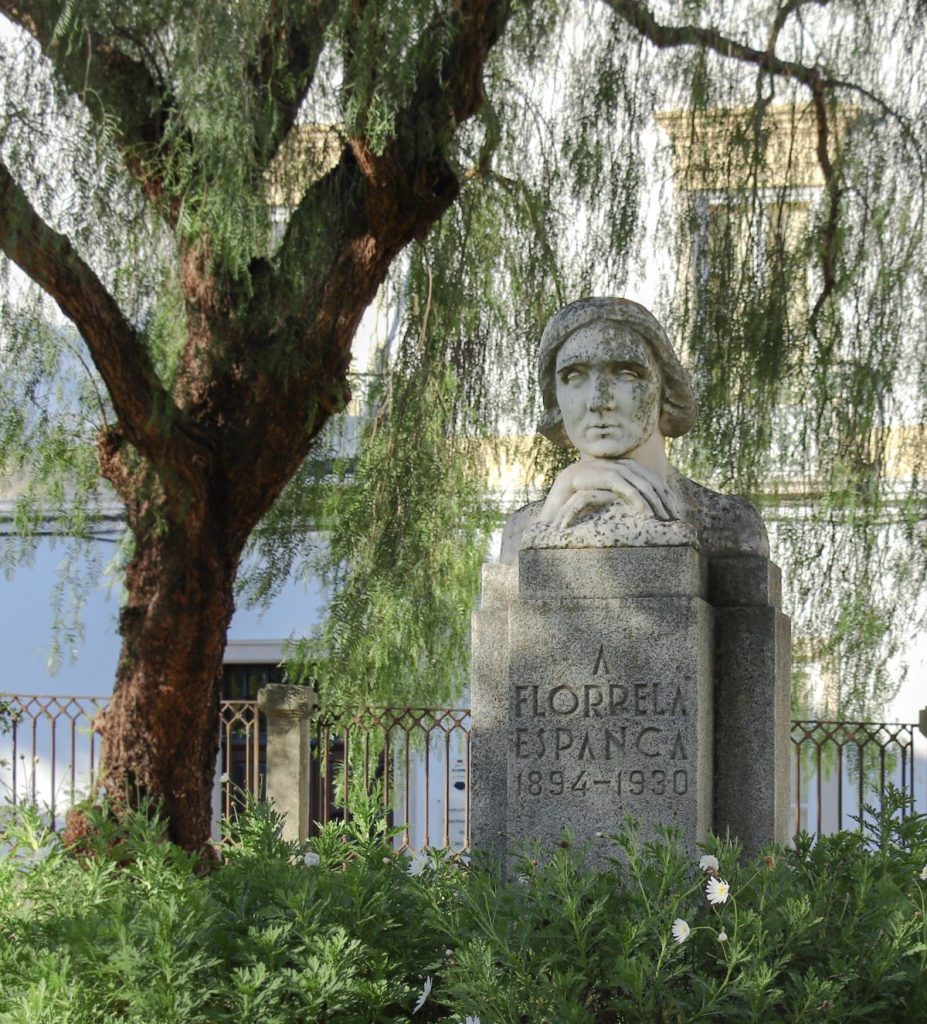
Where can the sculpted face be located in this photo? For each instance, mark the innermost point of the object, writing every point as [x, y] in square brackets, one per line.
[608, 390]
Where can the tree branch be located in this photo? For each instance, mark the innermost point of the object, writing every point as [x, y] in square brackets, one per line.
[412, 179]
[351, 224]
[639, 17]
[145, 412]
[288, 55]
[110, 84]
[782, 16]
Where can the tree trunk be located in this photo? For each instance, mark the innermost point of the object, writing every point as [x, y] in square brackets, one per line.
[161, 729]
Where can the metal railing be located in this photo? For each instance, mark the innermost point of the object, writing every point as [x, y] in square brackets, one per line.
[418, 761]
[51, 754]
[417, 758]
[840, 767]
[242, 739]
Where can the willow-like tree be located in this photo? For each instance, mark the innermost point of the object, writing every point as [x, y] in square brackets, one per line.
[141, 144]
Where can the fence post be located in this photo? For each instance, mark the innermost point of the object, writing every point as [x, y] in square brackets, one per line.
[289, 711]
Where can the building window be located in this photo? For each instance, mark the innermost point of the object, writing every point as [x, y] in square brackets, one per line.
[242, 682]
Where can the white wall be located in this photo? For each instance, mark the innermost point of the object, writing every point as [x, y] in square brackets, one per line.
[89, 667]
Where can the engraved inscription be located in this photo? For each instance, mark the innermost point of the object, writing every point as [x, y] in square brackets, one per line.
[605, 744]
[594, 700]
[627, 738]
[601, 665]
[631, 783]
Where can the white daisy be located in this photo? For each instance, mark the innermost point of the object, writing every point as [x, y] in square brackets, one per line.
[708, 863]
[419, 862]
[680, 930]
[717, 890]
[722, 936]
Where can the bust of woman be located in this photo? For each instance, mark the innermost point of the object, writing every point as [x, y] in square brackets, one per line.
[613, 389]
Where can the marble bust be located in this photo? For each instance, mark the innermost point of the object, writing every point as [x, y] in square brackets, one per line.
[613, 389]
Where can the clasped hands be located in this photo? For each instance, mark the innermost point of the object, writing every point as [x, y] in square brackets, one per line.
[595, 484]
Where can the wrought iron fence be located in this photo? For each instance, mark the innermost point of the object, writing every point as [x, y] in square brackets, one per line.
[242, 741]
[838, 768]
[51, 753]
[417, 760]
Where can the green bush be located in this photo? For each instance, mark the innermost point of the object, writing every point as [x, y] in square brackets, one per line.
[343, 931]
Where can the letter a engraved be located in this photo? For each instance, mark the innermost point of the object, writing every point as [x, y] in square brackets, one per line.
[678, 753]
[585, 749]
[600, 663]
[679, 707]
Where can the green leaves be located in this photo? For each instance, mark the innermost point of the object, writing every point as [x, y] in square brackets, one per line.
[408, 526]
[172, 143]
[832, 930]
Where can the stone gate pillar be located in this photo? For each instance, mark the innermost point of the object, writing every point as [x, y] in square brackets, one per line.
[289, 711]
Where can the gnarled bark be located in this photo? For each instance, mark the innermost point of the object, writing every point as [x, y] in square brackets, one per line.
[160, 730]
[199, 460]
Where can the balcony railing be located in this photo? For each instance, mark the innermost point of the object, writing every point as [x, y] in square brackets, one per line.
[418, 762]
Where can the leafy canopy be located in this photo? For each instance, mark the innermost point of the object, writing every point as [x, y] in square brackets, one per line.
[772, 215]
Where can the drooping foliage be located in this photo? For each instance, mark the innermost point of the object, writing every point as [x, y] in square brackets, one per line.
[212, 195]
[751, 171]
[408, 518]
[770, 210]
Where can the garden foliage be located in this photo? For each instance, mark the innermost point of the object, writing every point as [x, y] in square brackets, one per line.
[130, 929]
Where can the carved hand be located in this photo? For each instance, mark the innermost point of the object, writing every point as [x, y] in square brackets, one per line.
[597, 483]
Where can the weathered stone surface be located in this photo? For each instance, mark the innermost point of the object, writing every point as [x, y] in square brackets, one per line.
[611, 572]
[752, 701]
[752, 725]
[723, 525]
[614, 527]
[289, 711]
[489, 693]
[630, 656]
[499, 584]
[605, 707]
[279, 700]
[744, 580]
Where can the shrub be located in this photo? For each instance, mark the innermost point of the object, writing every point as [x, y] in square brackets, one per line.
[345, 930]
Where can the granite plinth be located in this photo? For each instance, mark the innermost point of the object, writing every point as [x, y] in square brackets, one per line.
[595, 707]
[645, 681]
[752, 703]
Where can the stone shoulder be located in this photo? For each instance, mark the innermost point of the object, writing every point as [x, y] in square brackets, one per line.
[726, 524]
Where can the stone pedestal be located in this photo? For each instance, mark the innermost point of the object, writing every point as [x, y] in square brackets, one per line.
[629, 681]
[288, 710]
[592, 696]
[752, 701]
